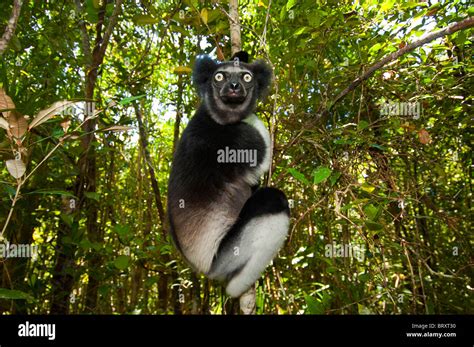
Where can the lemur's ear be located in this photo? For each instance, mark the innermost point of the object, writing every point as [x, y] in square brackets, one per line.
[204, 68]
[242, 56]
[264, 76]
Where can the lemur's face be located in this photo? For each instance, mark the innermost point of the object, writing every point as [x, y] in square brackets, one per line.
[230, 90]
[232, 95]
[232, 85]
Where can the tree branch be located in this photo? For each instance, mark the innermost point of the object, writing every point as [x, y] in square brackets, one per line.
[110, 27]
[450, 29]
[154, 182]
[247, 299]
[11, 26]
[86, 46]
[234, 22]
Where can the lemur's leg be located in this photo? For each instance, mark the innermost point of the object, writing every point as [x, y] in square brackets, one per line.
[253, 241]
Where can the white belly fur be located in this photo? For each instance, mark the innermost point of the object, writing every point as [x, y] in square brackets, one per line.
[253, 177]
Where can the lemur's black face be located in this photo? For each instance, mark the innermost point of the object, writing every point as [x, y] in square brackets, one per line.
[230, 90]
[232, 85]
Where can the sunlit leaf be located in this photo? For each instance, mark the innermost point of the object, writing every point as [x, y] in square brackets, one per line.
[300, 31]
[128, 100]
[118, 128]
[182, 70]
[16, 167]
[204, 15]
[145, 19]
[18, 124]
[65, 125]
[290, 4]
[50, 112]
[321, 174]
[367, 187]
[6, 103]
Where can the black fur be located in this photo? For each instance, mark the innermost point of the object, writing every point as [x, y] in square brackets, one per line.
[242, 56]
[195, 173]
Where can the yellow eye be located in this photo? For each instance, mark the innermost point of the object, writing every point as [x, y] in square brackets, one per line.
[219, 77]
[247, 77]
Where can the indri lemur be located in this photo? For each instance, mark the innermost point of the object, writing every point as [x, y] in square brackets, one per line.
[224, 225]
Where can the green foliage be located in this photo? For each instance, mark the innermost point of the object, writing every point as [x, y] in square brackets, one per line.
[14, 295]
[381, 200]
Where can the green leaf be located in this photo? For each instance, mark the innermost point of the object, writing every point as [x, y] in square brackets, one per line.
[362, 125]
[364, 277]
[367, 187]
[104, 289]
[97, 246]
[290, 4]
[182, 70]
[145, 19]
[51, 192]
[96, 4]
[14, 295]
[123, 231]
[298, 175]
[373, 226]
[374, 145]
[92, 195]
[67, 219]
[321, 174]
[85, 244]
[9, 189]
[204, 15]
[121, 262]
[343, 141]
[109, 9]
[92, 11]
[300, 31]
[372, 211]
[334, 177]
[128, 100]
[313, 306]
[375, 47]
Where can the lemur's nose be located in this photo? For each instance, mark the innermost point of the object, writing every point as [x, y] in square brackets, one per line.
[234, 85]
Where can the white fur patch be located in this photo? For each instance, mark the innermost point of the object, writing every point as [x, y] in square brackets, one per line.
[253, 177]
[262, 239]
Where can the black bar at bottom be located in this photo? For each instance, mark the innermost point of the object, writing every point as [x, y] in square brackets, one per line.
[84, 330]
